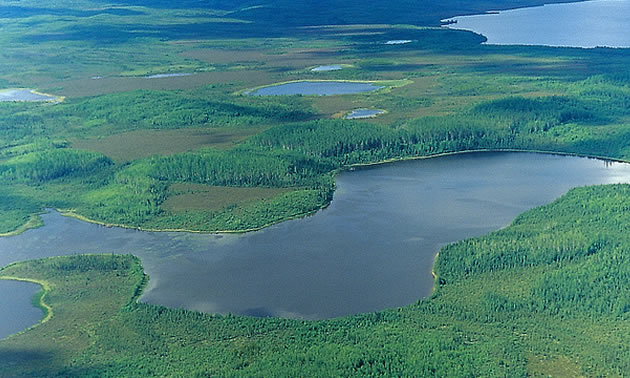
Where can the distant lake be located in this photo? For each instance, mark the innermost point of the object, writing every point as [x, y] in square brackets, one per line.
[364, 113]
[584, 24]
[398, 42]
[24, 95]
[330, 67]
[161, 76]
[16, 310]
[371, 249]
[320, 88]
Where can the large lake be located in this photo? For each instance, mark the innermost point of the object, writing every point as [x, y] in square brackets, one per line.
[584, 24]
[372, 248]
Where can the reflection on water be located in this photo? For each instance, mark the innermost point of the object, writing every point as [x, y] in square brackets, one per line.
[371, 249]
[582, 24]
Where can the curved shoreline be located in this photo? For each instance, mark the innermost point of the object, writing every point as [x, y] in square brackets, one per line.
[34, 222]
[387, 84]
[435, 274]
[70, 212]
[41, 304]
[51, 97]
[435, 288]
[499, 10]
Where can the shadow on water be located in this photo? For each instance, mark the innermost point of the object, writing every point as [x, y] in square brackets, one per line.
[259, 312]
[20, 356]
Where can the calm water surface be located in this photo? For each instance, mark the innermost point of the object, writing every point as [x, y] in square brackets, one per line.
[398, 42]
[585, 24]
[320, 88]
[364, 113]
[16, 310]
[371, 249]
[23, 95]
[330, 67]
[160, 76]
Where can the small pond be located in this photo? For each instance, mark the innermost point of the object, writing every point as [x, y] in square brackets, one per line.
[364, 113]
[583, 24]
[16, 309]
[320, 88]
[330, 67]
[398, 42]
[372, 248]
[24, 95]
[160, 76]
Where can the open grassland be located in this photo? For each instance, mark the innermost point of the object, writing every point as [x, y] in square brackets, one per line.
[185, 197]
[513, 303]
[134, 145]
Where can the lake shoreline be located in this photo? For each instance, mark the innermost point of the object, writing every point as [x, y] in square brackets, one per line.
[497, 10]
[46, 97]
[38, 298]
[71, 214]
[386, 84]
[551, 24]
[393, 204]
[33, 222]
